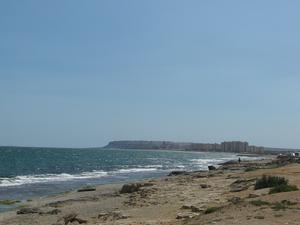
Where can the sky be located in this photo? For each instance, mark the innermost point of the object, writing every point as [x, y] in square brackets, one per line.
[82, 73]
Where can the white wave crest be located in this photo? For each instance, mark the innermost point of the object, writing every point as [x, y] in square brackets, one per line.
[44, 178]
[136, 170]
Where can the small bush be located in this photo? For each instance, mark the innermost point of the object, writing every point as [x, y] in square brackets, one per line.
[279, 206]
[249, 169]
[211, 210]
[270, 181]
[287, 202]
[259, 203]
[283, 188]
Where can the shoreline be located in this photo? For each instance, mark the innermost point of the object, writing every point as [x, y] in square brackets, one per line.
[64, 181]
[182, 198]
[146, 175]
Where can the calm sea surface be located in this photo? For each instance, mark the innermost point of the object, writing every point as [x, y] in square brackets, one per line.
[33, 172]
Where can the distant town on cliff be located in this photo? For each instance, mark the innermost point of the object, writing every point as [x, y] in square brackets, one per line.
[226, 146]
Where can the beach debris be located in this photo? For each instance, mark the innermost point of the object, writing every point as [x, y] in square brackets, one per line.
[70, 218]
[212, 168]
[28, 211]
[186, 215]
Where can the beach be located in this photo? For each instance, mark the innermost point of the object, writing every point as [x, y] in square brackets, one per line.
[222, 196]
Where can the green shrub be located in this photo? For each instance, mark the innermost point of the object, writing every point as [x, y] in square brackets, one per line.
[279, 206]
[287, 202]
[259, 202]
[270, 181]
[249, 169]
[283, 188]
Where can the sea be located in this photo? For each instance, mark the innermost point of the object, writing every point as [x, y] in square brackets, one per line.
[27, 173]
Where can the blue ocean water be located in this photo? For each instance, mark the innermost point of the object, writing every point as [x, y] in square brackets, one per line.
[32, 172]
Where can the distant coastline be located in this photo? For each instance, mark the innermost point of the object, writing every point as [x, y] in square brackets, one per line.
[241, 147]
[226, 146]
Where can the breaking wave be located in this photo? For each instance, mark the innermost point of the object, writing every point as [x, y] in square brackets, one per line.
[47, 178]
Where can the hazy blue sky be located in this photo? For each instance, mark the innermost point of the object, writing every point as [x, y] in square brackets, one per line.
[82, 73]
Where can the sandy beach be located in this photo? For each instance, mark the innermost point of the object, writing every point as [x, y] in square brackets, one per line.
[222, 196]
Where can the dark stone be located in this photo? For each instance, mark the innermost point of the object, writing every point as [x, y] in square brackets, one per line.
[86, 189]
[177, 173]
[204, 186]
[212, 168]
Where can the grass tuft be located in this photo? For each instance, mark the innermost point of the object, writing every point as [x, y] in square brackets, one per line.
[270, 181]
[249, 169]
[259, 203]
[283, 188]
[279, 206]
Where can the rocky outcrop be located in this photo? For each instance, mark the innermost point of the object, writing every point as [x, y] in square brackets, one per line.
[134, 187]
[186, 215]
[178, 172]
[240, 185]
[115, 215]
[130, 188]
[212, 168]
[70, 218]
[51, 212]
[28, 211]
